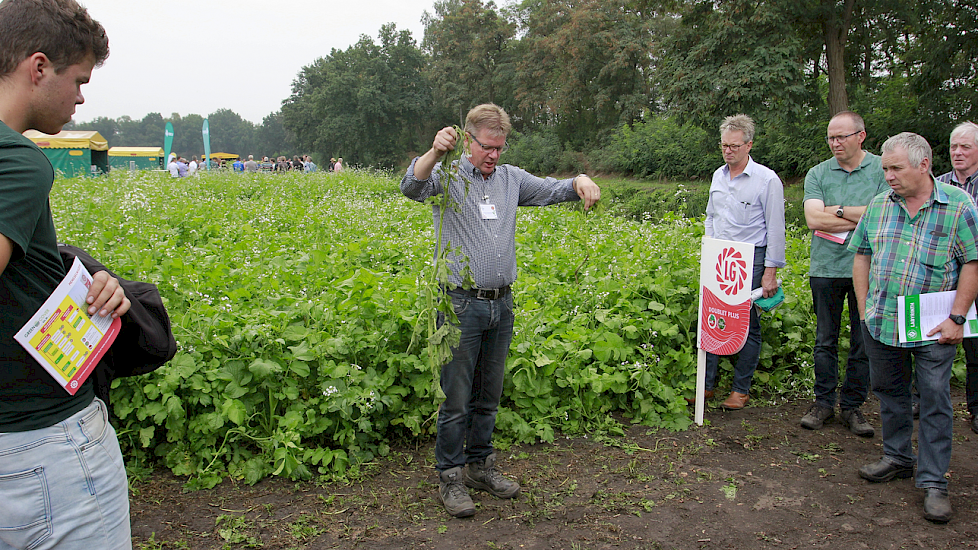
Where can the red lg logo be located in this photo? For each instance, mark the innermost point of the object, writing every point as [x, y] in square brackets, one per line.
[731, 271]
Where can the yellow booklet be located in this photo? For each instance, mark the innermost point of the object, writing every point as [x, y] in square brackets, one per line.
[63, 337]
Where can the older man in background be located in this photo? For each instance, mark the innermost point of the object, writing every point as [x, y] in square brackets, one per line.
[964, 174]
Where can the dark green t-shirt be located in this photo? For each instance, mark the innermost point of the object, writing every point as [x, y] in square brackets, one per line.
[29, 397]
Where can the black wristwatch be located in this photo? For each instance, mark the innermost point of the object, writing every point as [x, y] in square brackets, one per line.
[839, 212]
[958, 319]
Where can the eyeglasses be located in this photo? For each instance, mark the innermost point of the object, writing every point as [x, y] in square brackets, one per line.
[840, 139]
[487, 148]
[731, 146]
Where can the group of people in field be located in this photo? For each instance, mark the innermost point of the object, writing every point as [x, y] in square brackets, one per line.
[179, 167]
[884, 227]
[283, 164]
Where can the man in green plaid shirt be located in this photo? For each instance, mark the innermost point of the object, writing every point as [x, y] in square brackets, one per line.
[917, 238]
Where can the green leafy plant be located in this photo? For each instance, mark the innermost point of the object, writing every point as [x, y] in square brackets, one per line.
[434, 289]
[294, 299]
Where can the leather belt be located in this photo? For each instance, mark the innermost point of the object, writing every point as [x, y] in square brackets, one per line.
[483, 293]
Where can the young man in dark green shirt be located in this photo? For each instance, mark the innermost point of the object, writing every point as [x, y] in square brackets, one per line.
[64, 481]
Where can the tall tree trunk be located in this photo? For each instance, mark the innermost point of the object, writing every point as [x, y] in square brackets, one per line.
[835, 28]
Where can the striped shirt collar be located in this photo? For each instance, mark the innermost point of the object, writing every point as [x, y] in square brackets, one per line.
[953, 177]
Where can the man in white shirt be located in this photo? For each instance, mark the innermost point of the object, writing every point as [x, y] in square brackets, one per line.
[746, 205]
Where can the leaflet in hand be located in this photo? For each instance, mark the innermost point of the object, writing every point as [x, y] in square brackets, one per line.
[63, 338]
[920, 313]
[839, 237]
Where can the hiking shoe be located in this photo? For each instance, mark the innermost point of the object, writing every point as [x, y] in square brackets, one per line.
[937, 505]
[884, 470]
[816, 417]
[483, 475]
[853, 419]
[453, 493]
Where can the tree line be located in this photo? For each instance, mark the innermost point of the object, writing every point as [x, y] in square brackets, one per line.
[229, 133]
[635, 87]
[639, 86]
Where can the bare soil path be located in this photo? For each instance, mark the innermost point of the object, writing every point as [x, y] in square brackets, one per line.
[750, 479]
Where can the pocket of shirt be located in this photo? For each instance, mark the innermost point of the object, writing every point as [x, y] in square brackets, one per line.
[935, 251]
[745, 210]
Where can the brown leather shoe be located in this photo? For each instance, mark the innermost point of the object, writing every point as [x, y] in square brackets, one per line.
[706, 397]
[736, 401]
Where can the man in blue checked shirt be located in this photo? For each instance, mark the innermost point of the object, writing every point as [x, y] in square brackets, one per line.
[485, 228]
[918, 238]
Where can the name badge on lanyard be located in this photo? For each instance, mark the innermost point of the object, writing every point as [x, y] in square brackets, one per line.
[488, 211]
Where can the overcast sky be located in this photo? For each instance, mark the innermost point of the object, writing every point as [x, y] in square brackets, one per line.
[185, 57]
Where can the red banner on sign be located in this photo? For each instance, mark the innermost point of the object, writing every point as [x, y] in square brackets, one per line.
[723, 327]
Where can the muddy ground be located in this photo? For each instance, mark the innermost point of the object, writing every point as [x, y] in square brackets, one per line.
[749, 479]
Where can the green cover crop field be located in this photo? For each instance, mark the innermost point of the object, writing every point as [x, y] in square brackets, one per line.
[294, 297]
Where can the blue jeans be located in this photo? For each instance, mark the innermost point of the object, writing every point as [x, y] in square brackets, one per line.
[473, 380]
[892, 370]
[64, 486]
[828, 297]
[751, 352]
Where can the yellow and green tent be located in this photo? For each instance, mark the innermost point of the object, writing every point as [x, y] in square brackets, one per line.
[224, 156]
[74, 153]
[136, 158]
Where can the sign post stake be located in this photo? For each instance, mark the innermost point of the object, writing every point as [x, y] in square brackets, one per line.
[700, 386]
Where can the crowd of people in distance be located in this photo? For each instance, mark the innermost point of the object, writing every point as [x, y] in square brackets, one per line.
[179, 167]
[283, 164]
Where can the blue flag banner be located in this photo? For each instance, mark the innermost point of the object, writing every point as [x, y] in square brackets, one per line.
[167, 142]
[206, 132]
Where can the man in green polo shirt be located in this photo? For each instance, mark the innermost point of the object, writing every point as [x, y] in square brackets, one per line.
[836, 194]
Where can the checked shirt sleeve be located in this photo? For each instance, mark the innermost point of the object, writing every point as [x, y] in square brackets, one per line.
[420, 190]
[859, 242]
[536, 191]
